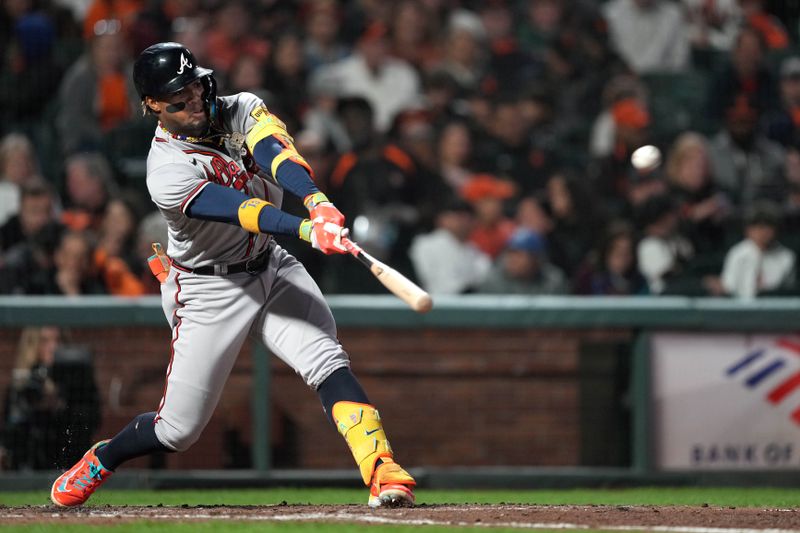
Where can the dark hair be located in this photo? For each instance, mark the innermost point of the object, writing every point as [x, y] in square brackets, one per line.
[654, 209]
[763, 212]
[35, 188]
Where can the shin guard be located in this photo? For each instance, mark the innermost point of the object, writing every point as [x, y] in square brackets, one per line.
[360, 425]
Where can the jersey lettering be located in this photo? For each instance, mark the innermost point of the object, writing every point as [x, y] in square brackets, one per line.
[227, 173]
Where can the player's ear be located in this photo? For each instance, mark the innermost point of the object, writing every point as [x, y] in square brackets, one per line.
[150, 105]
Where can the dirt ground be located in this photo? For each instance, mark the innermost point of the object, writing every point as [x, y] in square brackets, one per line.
[678, 519]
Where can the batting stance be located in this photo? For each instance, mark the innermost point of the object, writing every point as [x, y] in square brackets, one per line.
[217, 169]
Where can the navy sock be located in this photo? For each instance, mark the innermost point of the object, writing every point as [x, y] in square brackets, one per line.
[136, 439]
[341, 386]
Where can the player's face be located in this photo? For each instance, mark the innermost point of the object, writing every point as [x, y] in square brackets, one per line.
[183, 112]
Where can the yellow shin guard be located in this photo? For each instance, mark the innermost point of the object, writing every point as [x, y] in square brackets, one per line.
[360, 425]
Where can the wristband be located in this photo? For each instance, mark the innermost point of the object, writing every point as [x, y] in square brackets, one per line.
[248, 213]
[314, 199]
[305, 230]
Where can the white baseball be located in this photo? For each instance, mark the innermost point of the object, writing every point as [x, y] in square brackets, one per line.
[646, 158]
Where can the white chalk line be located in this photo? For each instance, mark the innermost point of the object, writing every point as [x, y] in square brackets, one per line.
[347, 517]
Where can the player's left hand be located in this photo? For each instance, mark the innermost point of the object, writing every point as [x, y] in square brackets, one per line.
[319, 206]
[327, 237]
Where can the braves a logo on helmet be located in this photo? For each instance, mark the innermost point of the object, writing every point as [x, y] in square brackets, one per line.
[184, 63]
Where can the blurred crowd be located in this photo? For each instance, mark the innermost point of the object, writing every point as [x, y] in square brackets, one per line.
[478, 146]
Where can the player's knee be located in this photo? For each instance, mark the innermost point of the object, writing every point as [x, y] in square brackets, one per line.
[178, 439]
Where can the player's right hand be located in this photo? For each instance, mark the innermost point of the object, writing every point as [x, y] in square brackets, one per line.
[324, 236]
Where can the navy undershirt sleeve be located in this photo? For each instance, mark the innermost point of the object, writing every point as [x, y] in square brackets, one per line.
[292, 176]
[221, 204]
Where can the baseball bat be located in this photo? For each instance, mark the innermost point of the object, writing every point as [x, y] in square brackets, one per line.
[402, 287]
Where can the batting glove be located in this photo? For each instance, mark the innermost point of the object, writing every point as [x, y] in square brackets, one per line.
[319, 206]
[324, 236]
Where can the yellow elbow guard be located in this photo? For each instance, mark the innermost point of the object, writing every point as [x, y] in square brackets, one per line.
[249, 210]
[268, 125]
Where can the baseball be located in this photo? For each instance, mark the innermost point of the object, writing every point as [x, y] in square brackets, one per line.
[646, 158]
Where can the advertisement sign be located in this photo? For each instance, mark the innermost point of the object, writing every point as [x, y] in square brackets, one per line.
[725, 401]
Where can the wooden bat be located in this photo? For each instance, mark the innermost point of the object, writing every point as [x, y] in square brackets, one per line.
[402, 287]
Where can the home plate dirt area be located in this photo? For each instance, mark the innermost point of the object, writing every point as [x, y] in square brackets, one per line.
[683, 519]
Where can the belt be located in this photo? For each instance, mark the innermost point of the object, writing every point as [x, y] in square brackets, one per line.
[252, 266]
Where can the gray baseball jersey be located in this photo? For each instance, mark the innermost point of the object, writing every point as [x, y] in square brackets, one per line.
[177, 171]
[211, 316]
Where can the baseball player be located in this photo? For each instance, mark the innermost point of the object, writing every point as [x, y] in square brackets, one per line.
[217, 170]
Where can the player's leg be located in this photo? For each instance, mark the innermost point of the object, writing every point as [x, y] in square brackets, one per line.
[298, 327]
[210, 318]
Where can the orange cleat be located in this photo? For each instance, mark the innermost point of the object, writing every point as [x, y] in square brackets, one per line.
[391, 486]
[74, 486]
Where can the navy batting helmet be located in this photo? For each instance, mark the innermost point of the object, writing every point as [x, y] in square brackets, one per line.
[165, 68]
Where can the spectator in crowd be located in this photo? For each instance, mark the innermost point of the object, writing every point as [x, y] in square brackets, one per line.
[541, 25]
[29, 72]
[772, 31]
[509, 65]
[746, 165]
[487, 194]
[454, 150]
[612, 174]
[465, 56]
[523, 268]
[713, 25]
[790, 228]
[96, 94]
[663, 252]
[413, 35]
[445, 260]
[52, 402]
[36, 211]
[650, 35]
[247, 74]
[30, 437]
[745, 73]
[376, 181]
[611, 269]
[532, 215]
[322, 44]
[508, 149]
[579, 64]
[89, 184]
[285, 79]
[18, 165]
[443, 98]
[388, 84]
[115, 257]
[231, 35]
[783, 124]
[27, 268]
[618, 89]
[705, 210]
[759, 263]
[575, 222]
[99, 11]
[74, 273]
[643, 184]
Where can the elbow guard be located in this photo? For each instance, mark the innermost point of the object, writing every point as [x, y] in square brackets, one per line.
[268, 125]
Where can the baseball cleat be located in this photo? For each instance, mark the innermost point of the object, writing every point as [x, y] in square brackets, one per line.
[391, 486]
[74, 486]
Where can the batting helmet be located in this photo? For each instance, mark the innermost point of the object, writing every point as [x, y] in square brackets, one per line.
[165, 68]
